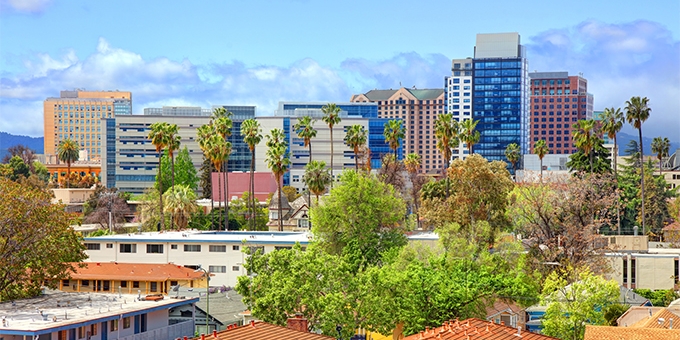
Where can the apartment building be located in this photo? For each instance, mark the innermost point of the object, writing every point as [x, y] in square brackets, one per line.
[77, 115]
[418, 109]
[458, 97]
[558, 101]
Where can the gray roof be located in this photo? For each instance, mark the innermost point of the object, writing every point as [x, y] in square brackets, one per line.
[421, 94]
[627, 296]
[274, 202]
[224, 307]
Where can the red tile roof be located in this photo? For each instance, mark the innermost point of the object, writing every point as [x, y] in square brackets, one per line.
[133, 272]
[475, 329]
[258, 330]
[628, 333]
[265, 184]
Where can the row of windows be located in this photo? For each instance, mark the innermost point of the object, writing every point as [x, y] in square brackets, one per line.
[559, 106]
[401, 101]
[158, 248]
[551, 82]
[559, 100]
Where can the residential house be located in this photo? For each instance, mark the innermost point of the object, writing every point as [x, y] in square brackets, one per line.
[650, 317]
[295, 214]
[508, 313]
[475, 329]
[92, 316]
[297, 329]
[624, 333]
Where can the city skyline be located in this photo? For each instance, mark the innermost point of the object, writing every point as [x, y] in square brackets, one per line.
[288, 51]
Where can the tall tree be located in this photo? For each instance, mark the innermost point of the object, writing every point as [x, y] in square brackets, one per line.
[412, 162]
[541, 149]
[331, 116]
[661, 147]
[304, 128]
[356, 138]
[206, 174]
[446, 131]
[67, 151]
[252, 135]
[585, 137]
[106, 205]
[468, 134]
[219, 150]
[24, 152]
[204, 134]
[394, 132]
[160, 139]
[513, 155]
[223, 126]
[174, 141]
[580, 161]
[277, 161]
[317, 178]
[37, 244]
[637, 112]
[181, 204]
[612, 122]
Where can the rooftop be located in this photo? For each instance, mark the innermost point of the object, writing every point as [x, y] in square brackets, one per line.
[475, 329]
[56, 310]
[188, 236]
[421, 94]
[626, 333]
[133, 272]
[258, 330]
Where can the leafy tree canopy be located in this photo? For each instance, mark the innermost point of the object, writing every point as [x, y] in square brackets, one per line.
[185, 172]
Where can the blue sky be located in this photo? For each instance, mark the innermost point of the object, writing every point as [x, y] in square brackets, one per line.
[261, 52]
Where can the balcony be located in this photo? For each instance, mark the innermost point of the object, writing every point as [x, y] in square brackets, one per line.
[174, 331]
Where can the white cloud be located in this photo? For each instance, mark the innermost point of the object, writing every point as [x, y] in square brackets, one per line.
[26, 6]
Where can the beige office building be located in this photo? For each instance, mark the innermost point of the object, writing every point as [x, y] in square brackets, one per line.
[419, 109]
[77, 115]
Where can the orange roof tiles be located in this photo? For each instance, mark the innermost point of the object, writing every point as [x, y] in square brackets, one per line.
[133, 272]
[258, 330]
[661, 319]
[475, 329]
[629, 333]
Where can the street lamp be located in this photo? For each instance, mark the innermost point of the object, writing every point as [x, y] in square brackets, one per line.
[207, 296]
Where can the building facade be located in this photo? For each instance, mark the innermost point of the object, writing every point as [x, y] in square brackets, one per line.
[77, 115]
[418, 109]
[500, 97]
[458, 97]
[130, 162]
[558, 101]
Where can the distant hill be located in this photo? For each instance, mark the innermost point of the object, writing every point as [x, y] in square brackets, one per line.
[623, 139]
[8, 140]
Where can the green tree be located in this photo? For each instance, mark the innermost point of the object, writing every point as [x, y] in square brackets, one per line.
[572, 306]
[331, 116]
[36, 243]
[304, 128]
[67, 151]
[19, 168]
[468, 134]
[174, 141]
[585, 137]
[661, 146]
[513, 155]
[252, 135]
[205, 134]
[660, 297]
[218, 151]
[360, 219]
[160, 139]
[291, 193]
[184, 170]
[181, 204]
[242, 213]
[637, 112]
[412, 162]
[206, 171]
[394, 133]
[317, 177]
[356, 138]
[277, 161]
[221, 119]
[446, 131]
[612, 122]
[541, 149]
[580, 161]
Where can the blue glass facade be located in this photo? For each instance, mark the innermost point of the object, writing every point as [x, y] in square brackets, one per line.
[500, 104]
[377, 144]
[110, 152]
[353, 109]
[240, 157]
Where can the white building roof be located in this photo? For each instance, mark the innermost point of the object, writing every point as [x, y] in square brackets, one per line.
[58, 310]
[196, 236]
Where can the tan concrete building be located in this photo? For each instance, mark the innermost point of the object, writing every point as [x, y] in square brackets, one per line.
[419, 109]
[77, 115]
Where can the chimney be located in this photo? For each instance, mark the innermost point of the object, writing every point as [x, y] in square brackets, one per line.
[298, 323]
[670, 325]
[215, 334]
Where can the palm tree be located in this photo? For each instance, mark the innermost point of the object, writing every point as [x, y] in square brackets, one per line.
[637, 112]
[541, 149]
[661, 147]
[468, 133]
[181, 204]
[446, 131]
[612, 122]
[277, 161]
[412, 164]
[252, 135]
[331, 116]
[204, 133]
[513, 154]
[394, 132]
[317, 177]
[174, 141]
[218, 152]
[223, 126]
[160, 138]
[68, 151]
[585, 138]
[356, 138]
[305, 130]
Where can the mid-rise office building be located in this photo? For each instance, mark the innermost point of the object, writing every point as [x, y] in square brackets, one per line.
[287, 115]
[130, 162]
[500, 97]
[458, 97]
[418, 109]
[558, 101]
[77, 115]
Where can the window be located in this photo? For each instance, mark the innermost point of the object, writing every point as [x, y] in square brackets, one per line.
[113, 325]
[173, 246]
[126, 322]
[81, 332]
[632, 271]
[154, 286]
[235, 268]
[92, 246]
[192, 247]
[85, 283]
[154, 249]
[93, 329]
[217, 269]
[217, 249]
[123, 284]
[66, 283]
[625, 270]
[135, 284]
[235, 248]
[128, 248]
